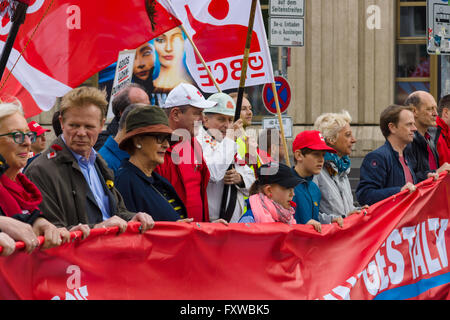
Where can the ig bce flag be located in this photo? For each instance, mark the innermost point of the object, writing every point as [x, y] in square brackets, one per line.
[66, 42]
[219, 30]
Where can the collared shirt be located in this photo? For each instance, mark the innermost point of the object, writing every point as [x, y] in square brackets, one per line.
[87, 167]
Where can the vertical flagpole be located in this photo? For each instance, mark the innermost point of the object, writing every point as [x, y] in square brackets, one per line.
[197, 52]
[17, 19]
[280, 120]
[248, 43]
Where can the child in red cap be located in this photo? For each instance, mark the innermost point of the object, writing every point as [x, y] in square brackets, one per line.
[309, 149]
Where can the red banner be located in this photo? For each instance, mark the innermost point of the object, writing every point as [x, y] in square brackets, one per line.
[397, 250]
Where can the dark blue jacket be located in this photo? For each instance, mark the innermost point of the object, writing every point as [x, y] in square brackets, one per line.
[148, 194]
[382, 174]
[307, 198]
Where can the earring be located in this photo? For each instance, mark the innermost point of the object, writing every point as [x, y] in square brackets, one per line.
[138, 146]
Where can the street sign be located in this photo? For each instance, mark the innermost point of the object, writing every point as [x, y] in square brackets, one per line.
[438, 27]
[123, 75]
[286, 32]
[271, 123]
[284, 95]
[287, 8]
[286, 23]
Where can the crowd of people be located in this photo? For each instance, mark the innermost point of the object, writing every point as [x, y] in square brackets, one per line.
[189, 161]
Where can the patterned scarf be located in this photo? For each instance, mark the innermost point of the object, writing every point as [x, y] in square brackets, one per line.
[342, 164]
[18, 197]
[266, 210]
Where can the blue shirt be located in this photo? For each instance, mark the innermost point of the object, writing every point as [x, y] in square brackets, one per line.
[307, 197]
[112, 154]
[87, 167]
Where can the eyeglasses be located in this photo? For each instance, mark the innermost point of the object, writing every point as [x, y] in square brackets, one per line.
[19, 136]
[160, 138]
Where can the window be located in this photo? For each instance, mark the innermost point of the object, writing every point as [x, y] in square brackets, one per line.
[416, 70]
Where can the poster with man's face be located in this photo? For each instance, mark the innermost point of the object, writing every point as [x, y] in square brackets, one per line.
[159, 66]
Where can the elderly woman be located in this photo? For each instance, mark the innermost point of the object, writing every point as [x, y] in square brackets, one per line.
[146, 140]
[337, 198]
[19, 197]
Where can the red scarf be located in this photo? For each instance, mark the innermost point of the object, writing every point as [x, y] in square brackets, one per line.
[18, 196]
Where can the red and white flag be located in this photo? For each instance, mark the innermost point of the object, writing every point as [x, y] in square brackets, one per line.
[62, 43]
[219, 30]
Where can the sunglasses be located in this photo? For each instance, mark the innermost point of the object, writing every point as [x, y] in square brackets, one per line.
[160, 138]
[19, 136]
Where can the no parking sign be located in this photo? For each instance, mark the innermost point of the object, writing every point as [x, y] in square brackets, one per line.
[284, 95]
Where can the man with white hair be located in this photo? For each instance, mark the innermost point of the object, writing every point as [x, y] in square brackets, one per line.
[227, 186]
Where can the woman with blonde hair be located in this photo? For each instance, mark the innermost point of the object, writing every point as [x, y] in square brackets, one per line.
[337, 197]
[19, 197]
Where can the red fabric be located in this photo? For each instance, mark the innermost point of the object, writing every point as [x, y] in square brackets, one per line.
[399, 249]
[443, 144]
[19, 195]
[181, 177]
[408, 175]
[74, 41]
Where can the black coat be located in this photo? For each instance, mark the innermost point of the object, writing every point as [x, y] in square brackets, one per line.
[420, 161]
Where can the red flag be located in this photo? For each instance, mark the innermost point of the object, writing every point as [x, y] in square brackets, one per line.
[65, 42]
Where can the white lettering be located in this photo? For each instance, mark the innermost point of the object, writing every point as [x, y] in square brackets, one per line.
[440, 243]
[433, 264]
[74, 19]
[372, 284]
[417, 254]
[395, 257]
[408, 234]
[381, 262]
[374, 19]
[74, 281]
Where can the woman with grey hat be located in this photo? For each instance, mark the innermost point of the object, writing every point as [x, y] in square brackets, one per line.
[146, 140]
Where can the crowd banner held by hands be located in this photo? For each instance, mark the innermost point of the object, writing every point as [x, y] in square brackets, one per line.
[56, 49]
[396, 249]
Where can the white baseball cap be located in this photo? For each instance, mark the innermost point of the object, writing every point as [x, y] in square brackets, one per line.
[186, 94]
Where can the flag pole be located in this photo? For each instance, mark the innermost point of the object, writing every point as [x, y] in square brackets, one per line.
[248, 43]
[17, 19]
[199, 55]
[280, 120]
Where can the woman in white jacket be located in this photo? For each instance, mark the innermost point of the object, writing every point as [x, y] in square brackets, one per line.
[337, 198]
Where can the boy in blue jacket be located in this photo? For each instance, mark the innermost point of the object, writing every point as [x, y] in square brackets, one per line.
[309, 149]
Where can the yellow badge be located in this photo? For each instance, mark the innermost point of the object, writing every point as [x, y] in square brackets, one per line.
[110, 184]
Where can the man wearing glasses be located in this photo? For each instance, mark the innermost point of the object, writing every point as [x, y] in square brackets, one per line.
[75, 182]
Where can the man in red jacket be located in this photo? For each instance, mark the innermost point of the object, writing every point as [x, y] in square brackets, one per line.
[184, 165]
[443, 124]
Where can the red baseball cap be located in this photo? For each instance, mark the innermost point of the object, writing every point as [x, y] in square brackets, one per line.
[312, 140]
[35, 127]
